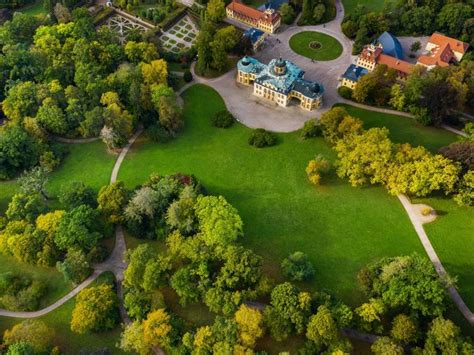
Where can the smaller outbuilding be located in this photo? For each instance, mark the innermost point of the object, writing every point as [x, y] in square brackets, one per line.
[255, 36]
[352, 75]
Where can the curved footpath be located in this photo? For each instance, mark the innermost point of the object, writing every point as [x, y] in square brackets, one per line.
[116, 264]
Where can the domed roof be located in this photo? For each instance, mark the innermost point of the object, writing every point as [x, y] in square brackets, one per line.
[391, 45]
[280, 63]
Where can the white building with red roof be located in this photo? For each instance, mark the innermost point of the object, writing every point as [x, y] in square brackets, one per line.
[442, 51]
[267, 21]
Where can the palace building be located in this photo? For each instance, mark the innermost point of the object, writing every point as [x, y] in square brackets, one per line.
[280, 81]
[268, 20]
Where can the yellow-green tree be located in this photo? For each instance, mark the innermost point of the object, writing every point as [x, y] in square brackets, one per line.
[250, 321]
[31, 331]
[157, 328]
[216, 10]
[315, 167]
[95, 310]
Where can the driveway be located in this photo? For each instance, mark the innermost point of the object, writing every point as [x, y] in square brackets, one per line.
[255, 112]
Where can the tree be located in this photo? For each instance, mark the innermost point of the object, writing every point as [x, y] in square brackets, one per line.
[203, 40]
[75, 266]
[80, 227]
[311, 128]
[444, 336]
[137, 261]
[34, 332]
[403, 329]
[216, 10]
[169, 114]
[34, 181]
[386, 346]
[287, 13]
[76, 194]
[250, 322]
[465, 193]
[415, 46]
[322, 328]
[364, 158]
[95, 310]
[112, 200]
[315, 168]
[21, 348]
[318, 12]
[370, 314]
[224, 40]
[137, 52]
[157, 328]
[330, 121]
[219, 222]
[451, 18]
[155, 73]
[26, 207]
[180, 214]
[468, 131]
[261, 138]
[18, 152]
[462, 152]
[406, 281]
[307, 11]
[297, 267]
[62, 13]
[51, 117]
[132, 339]
[156, 273]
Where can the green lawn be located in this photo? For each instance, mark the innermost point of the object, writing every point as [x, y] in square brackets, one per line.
[329, 47]
[89, 163]
[340, 227]
[69, 342]
[372, 5]
[35, 9]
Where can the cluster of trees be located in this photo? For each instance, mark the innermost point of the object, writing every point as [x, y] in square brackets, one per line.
[369, 156]
[433, 97]
[68, 238]
[20, 292]
[406, 17]
[214, 43]
[314, 12]
[70, 79]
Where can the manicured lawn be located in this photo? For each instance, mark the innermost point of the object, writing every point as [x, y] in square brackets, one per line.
[69, 342]
[89, 163]
[403, 129]
[316, 45]
[340, 227]
[35, 9]
[372, 5]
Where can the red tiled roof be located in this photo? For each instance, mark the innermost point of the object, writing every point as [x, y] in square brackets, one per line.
[370, 55]
[394, 63]
[245, 10]
[250, 12]
[442, 40]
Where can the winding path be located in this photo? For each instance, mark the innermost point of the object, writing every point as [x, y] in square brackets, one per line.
[116, 264]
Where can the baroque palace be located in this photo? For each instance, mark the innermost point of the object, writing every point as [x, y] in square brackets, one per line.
[280, 81]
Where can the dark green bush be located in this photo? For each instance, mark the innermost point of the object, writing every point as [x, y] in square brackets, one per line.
[156, 133]
[222, 119]
[19, 292]
[261, 138]
[311, 128]
[297, 267]
[187, 77]
[345, 92]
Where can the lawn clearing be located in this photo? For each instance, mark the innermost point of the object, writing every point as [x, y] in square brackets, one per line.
[341, 228]
[316, 45]
[69, 342]
[371, 5]
[36, 9]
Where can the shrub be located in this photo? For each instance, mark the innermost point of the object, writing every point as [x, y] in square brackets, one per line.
[222, 119]
[426, 211]
[345, 92]
[20, 293]
[157, 133]
[76, 194]
[187, 77]
[315, 167]
[297, 267]
[261, 138]
[311, 128]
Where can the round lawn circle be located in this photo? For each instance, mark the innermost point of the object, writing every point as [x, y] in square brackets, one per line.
[316, 45]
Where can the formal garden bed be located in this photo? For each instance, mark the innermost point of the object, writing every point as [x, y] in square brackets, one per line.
[316, 45]
[181, 36]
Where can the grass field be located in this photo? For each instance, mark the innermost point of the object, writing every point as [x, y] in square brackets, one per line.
[329, 47]
[69, 342]
[340, 227]
[35, 9]
[372, 5]
[89, 163]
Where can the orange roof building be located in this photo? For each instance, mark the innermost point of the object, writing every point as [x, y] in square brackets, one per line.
[372, 55]
[267, 21]
[442, 51]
